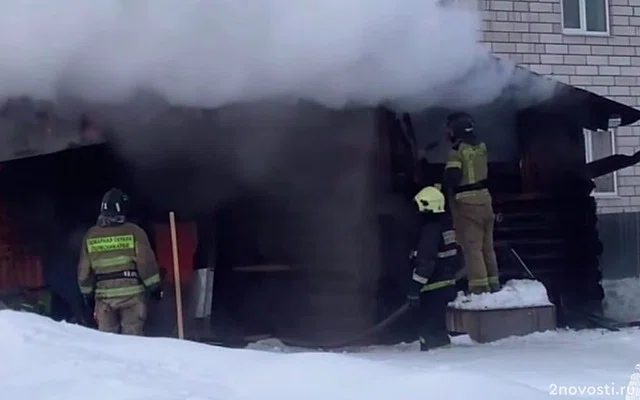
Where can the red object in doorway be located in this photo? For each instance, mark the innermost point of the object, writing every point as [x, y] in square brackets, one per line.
[18, 268]
[187, 241]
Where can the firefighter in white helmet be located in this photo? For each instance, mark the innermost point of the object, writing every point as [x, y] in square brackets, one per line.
[436, 261]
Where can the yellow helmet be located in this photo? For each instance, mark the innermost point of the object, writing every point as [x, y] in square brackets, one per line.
[430, 199]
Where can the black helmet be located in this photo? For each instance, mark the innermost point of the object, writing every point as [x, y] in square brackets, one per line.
[460, 124]
[114, 203]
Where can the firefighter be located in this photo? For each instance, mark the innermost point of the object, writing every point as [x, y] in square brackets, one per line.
[471, 203]
[117, 268]
[436, 262]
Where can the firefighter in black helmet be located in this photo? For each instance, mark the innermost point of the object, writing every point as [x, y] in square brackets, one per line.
[118, 268]
[471, 203]
[436, 263]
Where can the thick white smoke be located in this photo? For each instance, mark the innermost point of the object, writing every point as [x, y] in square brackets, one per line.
[212, 52]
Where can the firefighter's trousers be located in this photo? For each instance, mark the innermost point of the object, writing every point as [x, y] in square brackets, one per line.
[474, 231]
[432, 317]
[125, 315]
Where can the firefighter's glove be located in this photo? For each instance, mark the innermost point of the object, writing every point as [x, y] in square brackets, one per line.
[157, 294]
[89, 314]
[413, 298]
[90, 303]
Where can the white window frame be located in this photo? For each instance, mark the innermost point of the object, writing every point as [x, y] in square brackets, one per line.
[583, 21]
[588, 150]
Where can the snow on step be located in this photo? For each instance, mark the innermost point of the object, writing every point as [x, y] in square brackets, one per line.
[516, 293]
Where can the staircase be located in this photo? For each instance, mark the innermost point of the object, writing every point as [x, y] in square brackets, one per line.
[557, 240]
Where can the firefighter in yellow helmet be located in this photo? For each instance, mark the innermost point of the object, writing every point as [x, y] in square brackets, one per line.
[436, 262]
[471, 203]
[117, 268]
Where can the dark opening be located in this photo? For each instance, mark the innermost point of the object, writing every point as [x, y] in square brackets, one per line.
[254, 263]
[50, 201]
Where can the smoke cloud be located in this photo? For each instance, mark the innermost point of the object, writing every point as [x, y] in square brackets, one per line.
[143, 57]
[216, 52]
[313, 163]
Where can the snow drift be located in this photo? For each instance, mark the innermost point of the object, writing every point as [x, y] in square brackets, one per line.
[211, 53]
[516, 293]
[43, 360]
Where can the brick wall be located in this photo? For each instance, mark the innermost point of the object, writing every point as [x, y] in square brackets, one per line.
[530, 33]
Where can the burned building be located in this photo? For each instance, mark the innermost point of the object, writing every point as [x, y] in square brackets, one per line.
[302, 210]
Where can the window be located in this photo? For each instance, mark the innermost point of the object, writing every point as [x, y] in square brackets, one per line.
[585, 16]
[599, 145]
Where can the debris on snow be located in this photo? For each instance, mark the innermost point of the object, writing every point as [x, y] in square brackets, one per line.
[273, 345]
[621, 299]
[516, 293]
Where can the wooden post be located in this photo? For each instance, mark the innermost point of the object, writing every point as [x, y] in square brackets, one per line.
[176, 274]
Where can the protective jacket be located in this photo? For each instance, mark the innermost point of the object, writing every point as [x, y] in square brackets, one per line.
[466, 172]
[436, 257]
[117, 261]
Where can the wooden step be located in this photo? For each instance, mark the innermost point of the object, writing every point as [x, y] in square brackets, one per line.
[485, 326]
[530, 242]
[523, 228]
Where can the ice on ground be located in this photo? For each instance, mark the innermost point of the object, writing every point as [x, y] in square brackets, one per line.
[516, 293]
[44, 360]
[622, 299]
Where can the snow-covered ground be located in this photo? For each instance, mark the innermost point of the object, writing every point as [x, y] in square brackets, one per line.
[622, 299]
[44, 360]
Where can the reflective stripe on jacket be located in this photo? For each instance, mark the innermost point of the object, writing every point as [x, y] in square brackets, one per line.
[437, 258]
[437, 285]
[472, 160]
[122, 255]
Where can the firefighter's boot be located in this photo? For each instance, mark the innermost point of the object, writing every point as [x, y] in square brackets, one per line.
[494, 285]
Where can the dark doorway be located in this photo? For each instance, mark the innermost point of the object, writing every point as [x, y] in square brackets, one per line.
[50, 201]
